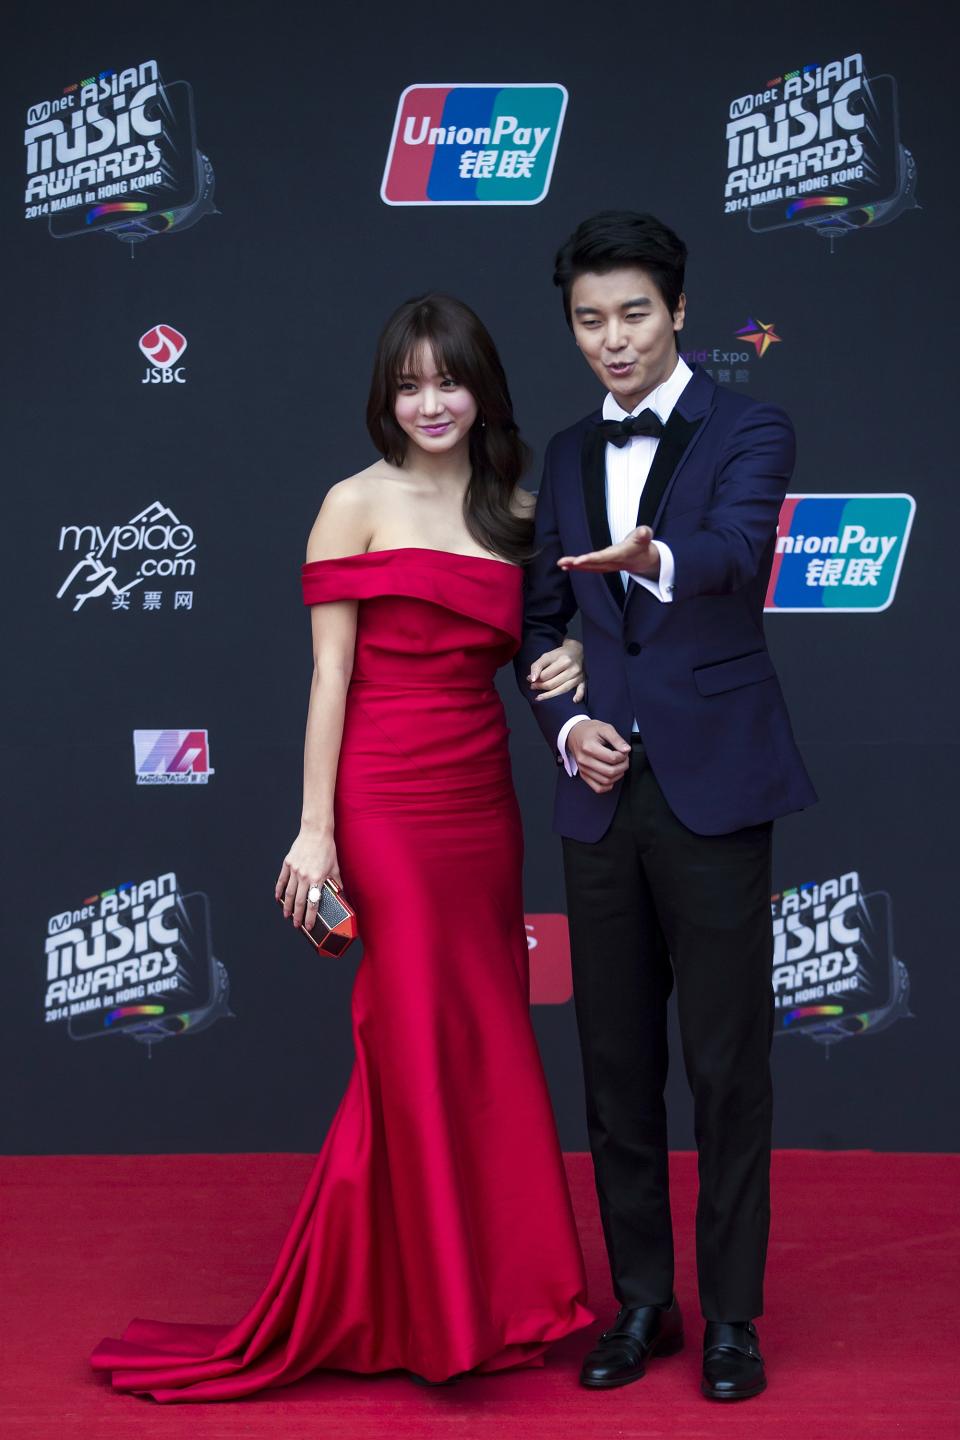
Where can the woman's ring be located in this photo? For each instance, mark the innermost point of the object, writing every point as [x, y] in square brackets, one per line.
[313, 895]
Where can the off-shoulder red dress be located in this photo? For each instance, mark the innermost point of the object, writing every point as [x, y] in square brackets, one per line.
[435, 1234]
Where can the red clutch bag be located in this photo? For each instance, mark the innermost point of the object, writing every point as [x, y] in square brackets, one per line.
[335, 927]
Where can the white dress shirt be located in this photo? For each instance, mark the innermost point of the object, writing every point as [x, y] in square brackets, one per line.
[627, 469]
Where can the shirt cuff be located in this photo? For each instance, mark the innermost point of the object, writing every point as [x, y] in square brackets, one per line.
[662, 587]
[569, 764]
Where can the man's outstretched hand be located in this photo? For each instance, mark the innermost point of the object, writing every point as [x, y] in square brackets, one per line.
[637, 554]
[602, 755]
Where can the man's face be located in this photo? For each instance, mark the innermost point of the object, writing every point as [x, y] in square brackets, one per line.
[625, 331]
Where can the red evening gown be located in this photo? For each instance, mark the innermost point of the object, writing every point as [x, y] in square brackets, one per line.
[435, 1234]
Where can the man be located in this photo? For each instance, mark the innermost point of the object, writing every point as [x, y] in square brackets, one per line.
[657, 519]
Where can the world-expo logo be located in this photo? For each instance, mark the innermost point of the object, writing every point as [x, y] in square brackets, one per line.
[473, 144]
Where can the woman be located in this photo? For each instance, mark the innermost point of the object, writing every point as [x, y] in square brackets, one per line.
[435, 1235]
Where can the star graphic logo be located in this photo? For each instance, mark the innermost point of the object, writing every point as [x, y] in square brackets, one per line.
[759, 335]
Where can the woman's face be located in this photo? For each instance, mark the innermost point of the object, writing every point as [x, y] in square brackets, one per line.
[431, 407]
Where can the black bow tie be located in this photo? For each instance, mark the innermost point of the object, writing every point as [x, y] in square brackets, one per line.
[618, 432]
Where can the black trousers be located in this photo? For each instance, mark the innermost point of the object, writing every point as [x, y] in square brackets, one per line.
[650, 902]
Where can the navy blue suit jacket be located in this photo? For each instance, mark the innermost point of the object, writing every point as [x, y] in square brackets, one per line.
[694, 672]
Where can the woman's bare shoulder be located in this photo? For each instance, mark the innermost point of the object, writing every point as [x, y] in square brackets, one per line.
[356, 491]
[345, 523]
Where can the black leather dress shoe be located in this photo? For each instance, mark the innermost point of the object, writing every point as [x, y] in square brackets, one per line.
[624, 1349]
[732, 1363]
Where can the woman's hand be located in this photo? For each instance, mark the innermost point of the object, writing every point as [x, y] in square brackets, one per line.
[558, 671]
[312, 858]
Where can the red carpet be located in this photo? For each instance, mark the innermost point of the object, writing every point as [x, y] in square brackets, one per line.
[860, 1336]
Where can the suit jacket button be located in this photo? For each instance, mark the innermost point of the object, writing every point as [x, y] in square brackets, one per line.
[633, 648]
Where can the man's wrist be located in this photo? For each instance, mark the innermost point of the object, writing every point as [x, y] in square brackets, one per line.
[563, 752]
[648, 567]
[661, 584]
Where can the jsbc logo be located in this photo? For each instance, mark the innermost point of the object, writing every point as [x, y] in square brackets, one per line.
[473, 144]
[163, 346]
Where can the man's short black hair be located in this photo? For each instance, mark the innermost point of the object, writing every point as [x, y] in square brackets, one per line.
[614, 239]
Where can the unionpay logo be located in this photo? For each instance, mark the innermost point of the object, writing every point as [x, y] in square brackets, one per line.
[839, 553]
[171, 757]
[473, 144]
[163, 346]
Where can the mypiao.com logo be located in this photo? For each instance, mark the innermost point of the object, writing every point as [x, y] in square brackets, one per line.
[171, 757]
[154, 545]
[839, 553]
[474, 144]
[163, 346]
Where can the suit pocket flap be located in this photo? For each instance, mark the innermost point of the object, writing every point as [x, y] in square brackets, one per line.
[729, 674]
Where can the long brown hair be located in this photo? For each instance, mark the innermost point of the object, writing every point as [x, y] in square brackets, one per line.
[462, 348]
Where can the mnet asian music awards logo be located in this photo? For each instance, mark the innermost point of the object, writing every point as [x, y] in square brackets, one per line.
[473, 144]
[819, 147]
[116, 154]
[134, 960]
[171, 757]
[835, 974]
[838, 554]
[163, 347]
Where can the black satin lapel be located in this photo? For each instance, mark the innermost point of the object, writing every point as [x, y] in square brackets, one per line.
[677, 435]
[593, 472]
[594, 476]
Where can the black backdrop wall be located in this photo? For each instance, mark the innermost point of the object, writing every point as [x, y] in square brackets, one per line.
[158, 662]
